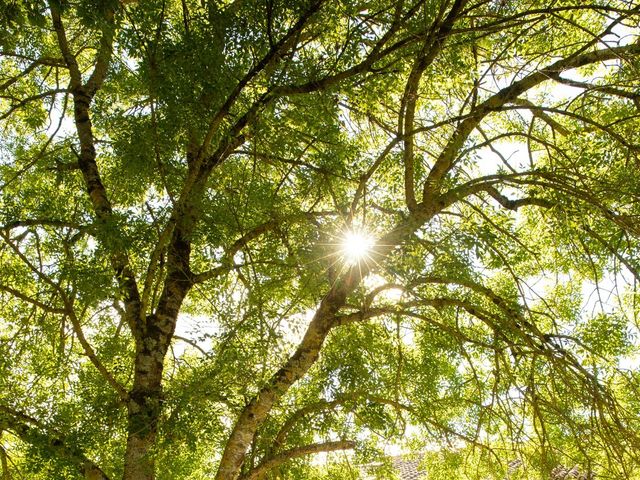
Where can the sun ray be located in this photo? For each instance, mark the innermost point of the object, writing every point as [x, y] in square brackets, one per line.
[356, 247]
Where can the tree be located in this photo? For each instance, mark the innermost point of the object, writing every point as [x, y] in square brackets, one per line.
[170, 163]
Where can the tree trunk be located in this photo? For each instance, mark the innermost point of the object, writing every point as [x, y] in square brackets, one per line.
[308, 351]
[144, 408]
[255, 413]
[145, 398]
[6, 474]
[92, 472]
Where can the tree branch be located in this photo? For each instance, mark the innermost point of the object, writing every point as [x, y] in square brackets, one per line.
[25, 101]
[597, 88]
[24, 72]
[539, 112]
[44, 222]
[70, 312]
[323, 405]
[516, 204]
[91, 354]
[377, 53]
[42, 306]
[105, 51]
[34, 432]
[277, 50]
[433, 44]
[82, 98]
[270, 463]
[508, 94]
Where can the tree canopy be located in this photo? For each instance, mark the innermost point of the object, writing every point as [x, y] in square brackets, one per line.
[238, 233]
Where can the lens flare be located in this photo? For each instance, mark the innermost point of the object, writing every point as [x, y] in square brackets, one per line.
[356, 246]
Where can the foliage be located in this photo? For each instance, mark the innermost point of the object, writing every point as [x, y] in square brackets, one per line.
[178, 178]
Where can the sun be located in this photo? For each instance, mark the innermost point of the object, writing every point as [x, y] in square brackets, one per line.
[356, 246]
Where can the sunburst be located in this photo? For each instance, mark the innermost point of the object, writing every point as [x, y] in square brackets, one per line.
[356, 246]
